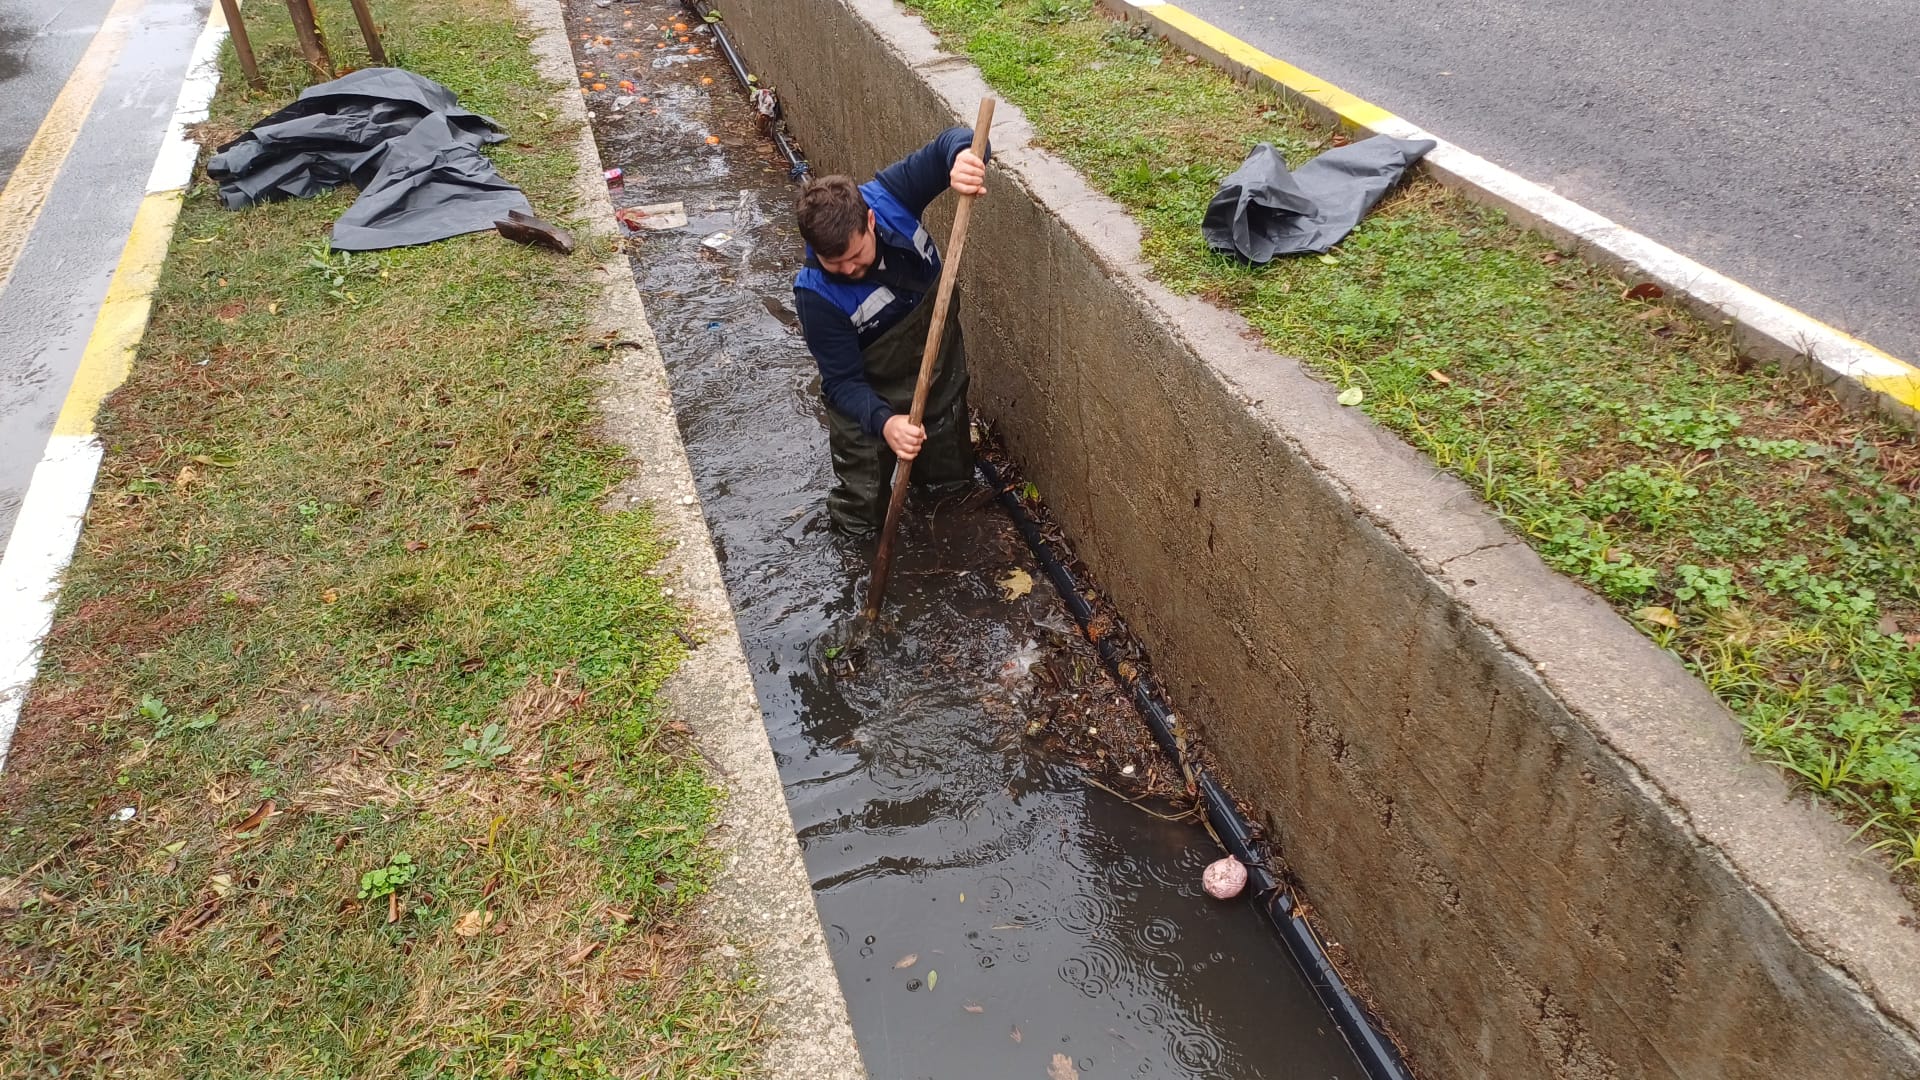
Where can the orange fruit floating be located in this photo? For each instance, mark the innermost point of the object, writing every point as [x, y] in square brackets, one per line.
[713, 140]
[662, 45]
[680, 26]
[708, 81]
[586, 74]
[626, 85]
[599, 86]
[694, 51]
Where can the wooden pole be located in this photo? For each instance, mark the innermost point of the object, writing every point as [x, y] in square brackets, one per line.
[242, 46]
[903, 470]
[307, 28]
[368, 31]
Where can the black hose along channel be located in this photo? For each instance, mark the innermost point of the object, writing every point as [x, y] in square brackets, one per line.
[971, 783]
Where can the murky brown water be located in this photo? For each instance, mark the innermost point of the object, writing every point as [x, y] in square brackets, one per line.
[1042, 917]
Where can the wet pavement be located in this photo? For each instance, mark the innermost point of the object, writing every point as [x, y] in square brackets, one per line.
[48, 305]
[990, 913]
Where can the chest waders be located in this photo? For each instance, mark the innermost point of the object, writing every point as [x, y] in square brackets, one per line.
[862, 463]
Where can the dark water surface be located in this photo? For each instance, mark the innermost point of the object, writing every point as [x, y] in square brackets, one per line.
[1042, 917]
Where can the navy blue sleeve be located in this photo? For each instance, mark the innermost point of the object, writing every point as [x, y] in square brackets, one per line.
[921, 176]
[835, 345]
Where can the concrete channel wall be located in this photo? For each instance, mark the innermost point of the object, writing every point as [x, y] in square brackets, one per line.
[1537, 839]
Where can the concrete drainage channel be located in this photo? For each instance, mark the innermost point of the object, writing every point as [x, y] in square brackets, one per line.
[1471, 763]
[989, 911]
[1469, 760]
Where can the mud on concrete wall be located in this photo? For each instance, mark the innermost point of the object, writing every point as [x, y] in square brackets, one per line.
[1539, 840]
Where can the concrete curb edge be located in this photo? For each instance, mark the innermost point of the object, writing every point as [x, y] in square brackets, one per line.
[1860, 374]
[763, 897]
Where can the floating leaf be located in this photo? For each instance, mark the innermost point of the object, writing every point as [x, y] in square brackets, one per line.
[974, 1007]
[1016, 584]
[1352, 395]
[907, 961]
[1062, 1069]
[1015, 1033]
[1659, 616]
[932, 977]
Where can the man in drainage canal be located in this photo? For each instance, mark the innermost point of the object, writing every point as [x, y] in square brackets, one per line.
[870, 264]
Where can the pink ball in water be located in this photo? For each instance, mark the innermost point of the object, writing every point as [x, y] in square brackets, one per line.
[1224, 879]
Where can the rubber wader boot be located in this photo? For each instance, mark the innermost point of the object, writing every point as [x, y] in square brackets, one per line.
[863, 464]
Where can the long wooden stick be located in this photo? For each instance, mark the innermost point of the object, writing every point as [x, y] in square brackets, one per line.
[903, 470]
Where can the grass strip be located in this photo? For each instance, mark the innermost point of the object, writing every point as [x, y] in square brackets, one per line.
[1735, 512]
[352, 638]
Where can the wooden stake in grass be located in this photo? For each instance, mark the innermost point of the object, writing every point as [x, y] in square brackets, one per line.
[306, 27]
[902, 470]
[364, 16]
[237, 28]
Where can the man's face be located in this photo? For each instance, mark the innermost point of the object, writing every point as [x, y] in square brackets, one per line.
[858, 258]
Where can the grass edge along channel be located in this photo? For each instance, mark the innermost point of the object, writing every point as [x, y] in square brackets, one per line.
[1736, 513]
[345, 757]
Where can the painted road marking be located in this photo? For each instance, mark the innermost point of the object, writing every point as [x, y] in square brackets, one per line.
[26, 192]
[1781, 330]
[48, 528]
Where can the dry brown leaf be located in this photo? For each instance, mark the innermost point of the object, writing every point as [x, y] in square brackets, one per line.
[1646, 290]
[1062, 1069]
[1440, 377]
[1015, 1033]
[473, 923]
[1659, 616]
[907, 961]
[259, 817]
[1016, 584]
[974, 1007]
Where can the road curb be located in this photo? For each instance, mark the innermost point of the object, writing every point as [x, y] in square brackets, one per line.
[55, 506]
[763, 896]
[1859, 374]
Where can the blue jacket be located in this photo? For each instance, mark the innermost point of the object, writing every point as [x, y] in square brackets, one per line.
[838, 316]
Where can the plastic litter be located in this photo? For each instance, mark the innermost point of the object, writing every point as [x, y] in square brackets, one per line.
[717, 241]
[1224, 878]
[1263, 210]
[1021, 662]
[655, 217]
[615, 176]
[401, 138]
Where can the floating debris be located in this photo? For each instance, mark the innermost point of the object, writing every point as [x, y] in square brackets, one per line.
[1224, 878]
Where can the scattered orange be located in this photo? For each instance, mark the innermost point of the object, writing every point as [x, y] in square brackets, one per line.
[713, 140]
[708, 81]
[626, 85]
[662, 45]
[586, 74]
[599, 86]
[694, 51]
[680, 26]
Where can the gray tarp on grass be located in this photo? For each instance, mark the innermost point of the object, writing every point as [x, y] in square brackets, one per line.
[402, 139]
[1262, 210]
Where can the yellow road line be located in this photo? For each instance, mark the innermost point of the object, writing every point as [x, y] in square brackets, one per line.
[26, 191]
[123, 314]
[1356, 111]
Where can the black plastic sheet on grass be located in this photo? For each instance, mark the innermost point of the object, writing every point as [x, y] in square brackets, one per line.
[401, 138]
[1262, 210]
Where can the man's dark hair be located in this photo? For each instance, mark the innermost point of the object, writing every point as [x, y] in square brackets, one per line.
[832, 213]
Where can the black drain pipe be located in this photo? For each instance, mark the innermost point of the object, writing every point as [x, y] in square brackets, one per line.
[1377, 1056]
[796, 165]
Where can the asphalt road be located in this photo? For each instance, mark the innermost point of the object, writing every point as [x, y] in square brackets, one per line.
[48, 305]
[1776, 142]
